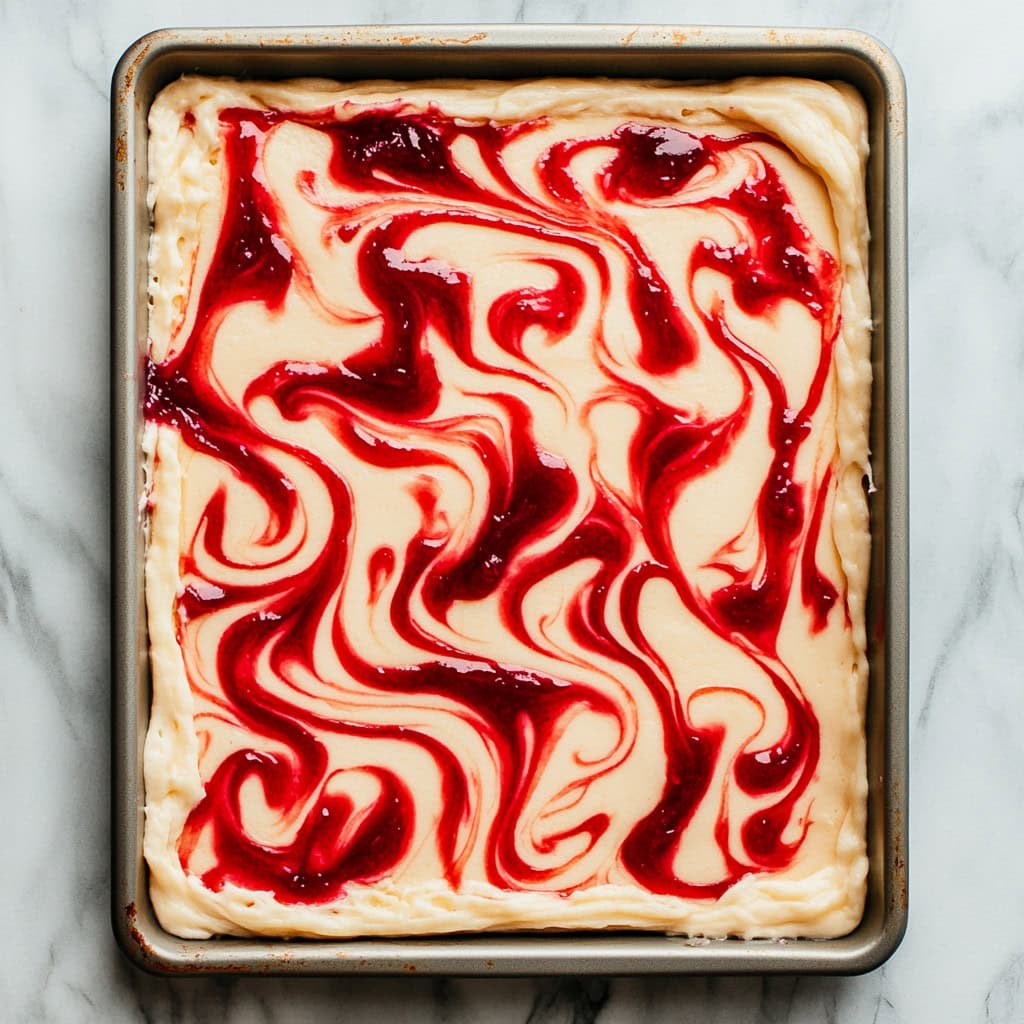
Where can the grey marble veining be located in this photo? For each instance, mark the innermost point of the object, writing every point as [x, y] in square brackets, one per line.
[963, 958]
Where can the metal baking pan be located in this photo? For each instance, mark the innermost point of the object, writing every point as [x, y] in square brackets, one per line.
[681, 53]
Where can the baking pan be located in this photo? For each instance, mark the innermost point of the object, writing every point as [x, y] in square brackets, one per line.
[507, 52]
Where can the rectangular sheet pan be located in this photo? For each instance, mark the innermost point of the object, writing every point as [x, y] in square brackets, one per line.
[681, 53]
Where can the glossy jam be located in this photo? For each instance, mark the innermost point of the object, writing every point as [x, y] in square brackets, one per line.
[393, 153]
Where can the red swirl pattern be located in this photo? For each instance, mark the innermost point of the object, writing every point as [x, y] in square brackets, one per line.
[537, 517]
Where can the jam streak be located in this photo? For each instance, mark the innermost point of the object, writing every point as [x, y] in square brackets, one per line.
[539, 516]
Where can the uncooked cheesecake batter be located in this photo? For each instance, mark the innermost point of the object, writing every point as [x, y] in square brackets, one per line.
[507, 529]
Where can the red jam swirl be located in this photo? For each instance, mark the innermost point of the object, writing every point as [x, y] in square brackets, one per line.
[395, 154]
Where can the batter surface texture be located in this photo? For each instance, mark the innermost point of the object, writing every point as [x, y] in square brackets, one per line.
[506, 447]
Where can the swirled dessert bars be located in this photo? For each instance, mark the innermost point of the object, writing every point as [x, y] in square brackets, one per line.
[507, 529]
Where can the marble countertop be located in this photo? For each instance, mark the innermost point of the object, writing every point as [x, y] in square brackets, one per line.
[963, 957]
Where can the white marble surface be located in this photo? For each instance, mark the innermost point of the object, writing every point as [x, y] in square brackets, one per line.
[963, 958]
